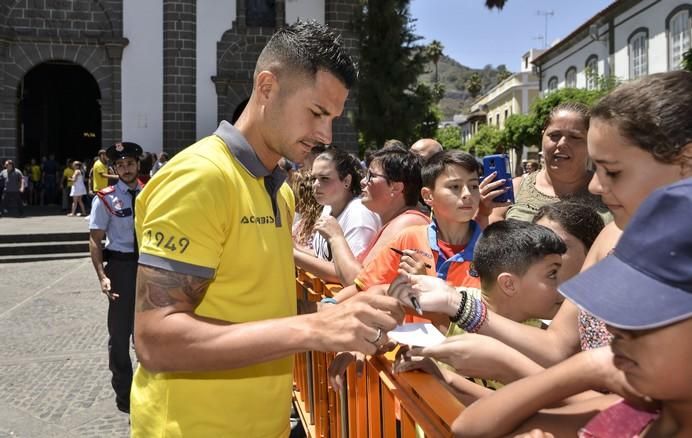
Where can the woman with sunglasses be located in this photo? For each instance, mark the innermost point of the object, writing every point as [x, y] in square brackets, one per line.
[391, 189]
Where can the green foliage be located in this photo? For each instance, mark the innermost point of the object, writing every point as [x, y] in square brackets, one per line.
[434, 51]
[499, 4]
[521, 129]
[687, 60]
[601, 83]
[541, 107]
[449, 137]
[502, 73]
[391, 101]
[487, 141]
[473, 84]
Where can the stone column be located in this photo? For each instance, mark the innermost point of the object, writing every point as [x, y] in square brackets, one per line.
[179, 74]
[339, 17]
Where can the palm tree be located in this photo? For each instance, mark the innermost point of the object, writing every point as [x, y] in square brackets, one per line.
[499, 4]
[474, 84]
[434, 51]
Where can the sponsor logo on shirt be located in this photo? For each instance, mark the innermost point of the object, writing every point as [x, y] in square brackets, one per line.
[260, 220]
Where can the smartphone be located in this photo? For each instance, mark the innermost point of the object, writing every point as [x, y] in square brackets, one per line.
[500, 164]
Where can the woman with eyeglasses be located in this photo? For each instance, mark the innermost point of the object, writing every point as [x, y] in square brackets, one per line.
[336, 185]
[391, 188]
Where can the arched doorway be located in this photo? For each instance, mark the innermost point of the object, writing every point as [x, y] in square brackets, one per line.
[59, 113]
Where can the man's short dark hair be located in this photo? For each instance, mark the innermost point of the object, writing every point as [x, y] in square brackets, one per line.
[307, 46]
[401, 165]
[513, 246]
[438, 162]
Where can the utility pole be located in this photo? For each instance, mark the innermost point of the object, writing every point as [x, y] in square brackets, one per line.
[539, 38]
[545, 15]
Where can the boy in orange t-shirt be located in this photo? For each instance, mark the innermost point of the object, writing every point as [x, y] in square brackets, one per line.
[445, 247]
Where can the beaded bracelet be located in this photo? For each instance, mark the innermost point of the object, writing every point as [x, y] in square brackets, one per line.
[460, 310]
[483, 317]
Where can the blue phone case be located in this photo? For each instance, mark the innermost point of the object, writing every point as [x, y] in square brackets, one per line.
[499, 163]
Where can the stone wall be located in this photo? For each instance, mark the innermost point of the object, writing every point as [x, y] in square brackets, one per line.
[179, 74]
[85, 32]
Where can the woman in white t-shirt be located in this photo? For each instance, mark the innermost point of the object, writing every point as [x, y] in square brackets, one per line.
[337, 176]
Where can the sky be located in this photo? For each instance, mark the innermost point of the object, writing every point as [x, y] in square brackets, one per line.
[476, 36]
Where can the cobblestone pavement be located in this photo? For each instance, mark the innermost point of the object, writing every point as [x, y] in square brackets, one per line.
[54, 377]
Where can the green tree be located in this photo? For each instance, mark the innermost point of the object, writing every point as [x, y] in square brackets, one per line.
[540, 109]
[499, 4]
[521, 130]
[488, 140]
[449, 137]
[687, 60]
[502, 73]
[434, 52]
[473, 84]
[391, 102]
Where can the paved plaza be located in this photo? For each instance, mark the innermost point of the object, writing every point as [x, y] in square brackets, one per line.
[54, 377]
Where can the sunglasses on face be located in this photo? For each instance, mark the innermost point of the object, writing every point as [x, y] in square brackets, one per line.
[369, 175]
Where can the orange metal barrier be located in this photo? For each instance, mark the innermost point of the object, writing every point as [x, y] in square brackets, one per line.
[367, 407]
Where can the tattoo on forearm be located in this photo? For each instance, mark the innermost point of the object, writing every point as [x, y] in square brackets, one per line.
[158, 288]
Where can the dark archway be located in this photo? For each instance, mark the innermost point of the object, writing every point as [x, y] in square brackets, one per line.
[59, 113]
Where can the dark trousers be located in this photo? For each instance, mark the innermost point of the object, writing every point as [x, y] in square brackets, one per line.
[121, 318]
[13, 200]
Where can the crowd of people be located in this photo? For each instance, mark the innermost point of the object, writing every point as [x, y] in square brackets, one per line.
[72, 185]
[566, 311]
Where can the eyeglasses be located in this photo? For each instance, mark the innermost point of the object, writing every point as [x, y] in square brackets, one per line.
[369, 175]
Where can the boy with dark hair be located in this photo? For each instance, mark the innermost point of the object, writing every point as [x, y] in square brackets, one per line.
[518, 264]
[445, 247]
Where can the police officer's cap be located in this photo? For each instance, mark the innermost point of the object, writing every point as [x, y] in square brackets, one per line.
[122, 150]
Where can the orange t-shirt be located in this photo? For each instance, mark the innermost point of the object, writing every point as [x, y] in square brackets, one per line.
[423, 240]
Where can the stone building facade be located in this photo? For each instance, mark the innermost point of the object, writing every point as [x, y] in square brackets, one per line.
[77, 75]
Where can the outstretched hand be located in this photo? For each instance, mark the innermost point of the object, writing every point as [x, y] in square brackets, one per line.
[360, 323]
[433, 294]
[471, 355]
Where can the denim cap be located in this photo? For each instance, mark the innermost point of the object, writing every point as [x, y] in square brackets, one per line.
[647, 281]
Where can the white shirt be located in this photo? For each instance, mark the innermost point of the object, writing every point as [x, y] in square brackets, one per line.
[359, 224]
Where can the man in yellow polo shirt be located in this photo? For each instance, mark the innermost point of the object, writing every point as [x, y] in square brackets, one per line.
[215, 316]
[101, 172]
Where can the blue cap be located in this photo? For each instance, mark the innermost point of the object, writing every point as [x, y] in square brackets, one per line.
[647, 281]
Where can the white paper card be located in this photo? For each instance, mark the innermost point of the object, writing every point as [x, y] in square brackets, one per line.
[417, 335]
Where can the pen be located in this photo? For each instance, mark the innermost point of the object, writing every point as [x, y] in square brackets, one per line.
[416, 305]
[400, 252]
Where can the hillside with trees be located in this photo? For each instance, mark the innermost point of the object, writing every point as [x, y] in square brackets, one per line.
[457, 80]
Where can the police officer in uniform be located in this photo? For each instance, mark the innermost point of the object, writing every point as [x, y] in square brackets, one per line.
[112, 217]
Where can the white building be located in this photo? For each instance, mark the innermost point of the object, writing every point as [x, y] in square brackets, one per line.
[627, 39]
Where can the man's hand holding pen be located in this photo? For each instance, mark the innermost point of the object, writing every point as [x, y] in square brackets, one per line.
[360, 323]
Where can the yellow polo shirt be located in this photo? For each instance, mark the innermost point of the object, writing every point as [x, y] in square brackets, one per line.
[209, 213]
[67, 175]
[100, 182]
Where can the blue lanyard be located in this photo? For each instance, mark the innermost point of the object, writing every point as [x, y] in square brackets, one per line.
[443, 264]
